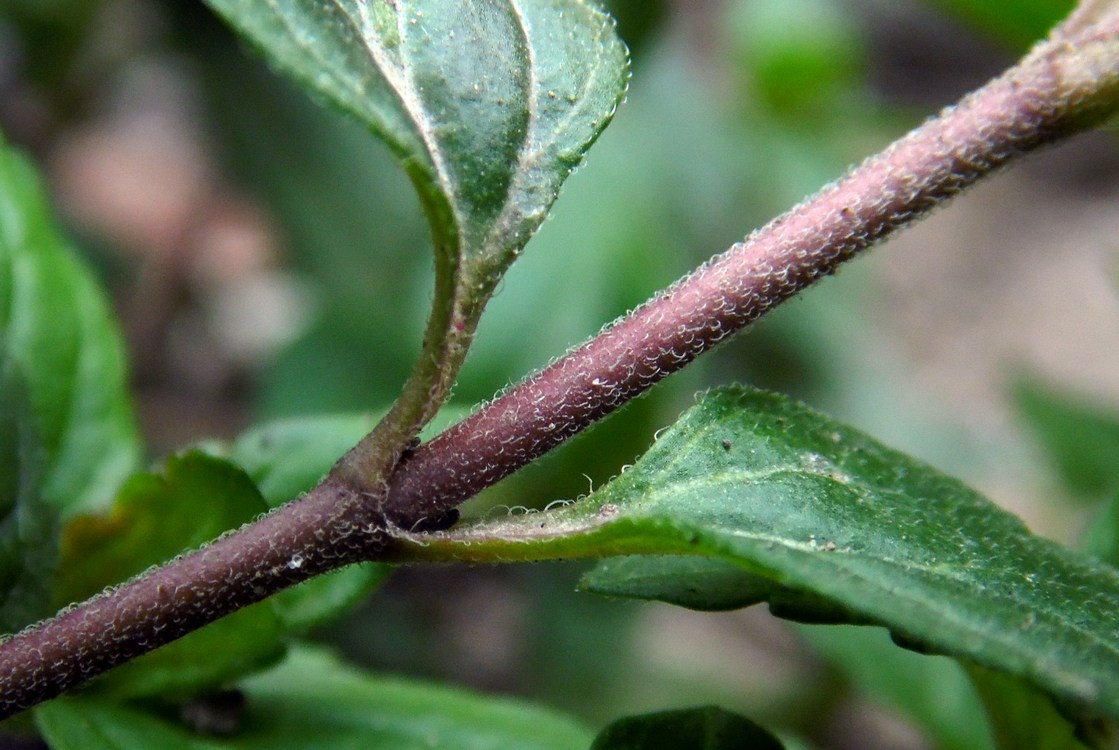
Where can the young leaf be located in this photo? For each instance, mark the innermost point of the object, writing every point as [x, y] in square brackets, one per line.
[847, 530]
[28, 525]
[56, 329]
[488, 105]
[312, 701]
[707, 728]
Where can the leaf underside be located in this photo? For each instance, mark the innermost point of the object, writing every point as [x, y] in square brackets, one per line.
[487, 104]
[790, 507]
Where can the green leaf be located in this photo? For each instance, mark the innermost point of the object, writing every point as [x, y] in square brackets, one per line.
[487, 105]
[707, 584]
[56, 329]
[287, 457]
[312, 700]
[933, 692]
[193, 499]
[1101, 538]
[326, 597]
[1081, 438]
[243, 642]
[158, 516]
[84, 723]
[847, 530]
[28, 526]
[1018, 24]
[1021, 716]
[707, 728]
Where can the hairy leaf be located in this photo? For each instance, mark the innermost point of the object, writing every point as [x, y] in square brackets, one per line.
[313, 701]
[932, 692]
[28, 525]
[707, 728]
[846, 530]
[489, 105]
[56, 329]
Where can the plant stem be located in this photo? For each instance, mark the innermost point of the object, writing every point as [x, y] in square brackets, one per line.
[1062, 86]
[314, 534]
[1065, 85]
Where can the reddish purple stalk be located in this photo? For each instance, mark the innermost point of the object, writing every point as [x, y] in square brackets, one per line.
[1065, 85]
[1012, 115]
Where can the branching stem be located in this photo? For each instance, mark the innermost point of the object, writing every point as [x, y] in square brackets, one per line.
[1064, 85]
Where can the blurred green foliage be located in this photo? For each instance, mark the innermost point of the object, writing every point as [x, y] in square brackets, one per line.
[1018, 24]
[1080, 438]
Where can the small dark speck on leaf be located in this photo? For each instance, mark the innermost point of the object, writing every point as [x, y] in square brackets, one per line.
[727, 445]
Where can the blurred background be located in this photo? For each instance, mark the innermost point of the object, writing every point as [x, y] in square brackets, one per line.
[267, 259]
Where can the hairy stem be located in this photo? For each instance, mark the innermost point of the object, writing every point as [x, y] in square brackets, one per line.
[1062, 86]
[320, 531]
[1066, 84]
[446, 338]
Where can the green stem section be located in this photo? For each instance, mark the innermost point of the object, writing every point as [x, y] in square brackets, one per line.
[445, 343]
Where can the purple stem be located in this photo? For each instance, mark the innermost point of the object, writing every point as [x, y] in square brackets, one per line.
[1065, 85]
[1031, 105]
